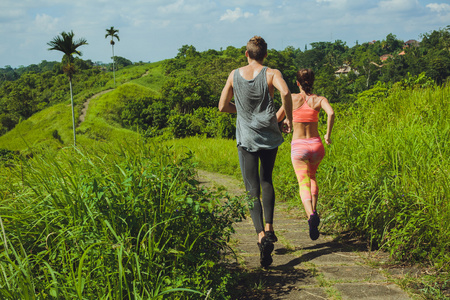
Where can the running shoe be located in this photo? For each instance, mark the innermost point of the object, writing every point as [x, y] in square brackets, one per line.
[265, 252]
[271, 237]
[314, 222]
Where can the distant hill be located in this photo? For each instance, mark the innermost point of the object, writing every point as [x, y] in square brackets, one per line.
[52, 126]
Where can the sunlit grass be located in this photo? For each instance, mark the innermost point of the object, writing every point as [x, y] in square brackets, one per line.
[118, 221]
[386, 175]
[38, 131]
[216, 155]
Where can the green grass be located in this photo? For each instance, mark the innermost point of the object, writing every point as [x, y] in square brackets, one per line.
[387, 174]
[100, 122]
[215, 155]
[385, 177]
[37, 131]
[155, 77]
[114, 222]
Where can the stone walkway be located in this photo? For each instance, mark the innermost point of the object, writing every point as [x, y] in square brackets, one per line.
[302, 268]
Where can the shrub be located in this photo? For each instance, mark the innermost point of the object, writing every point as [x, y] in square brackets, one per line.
[116, 222]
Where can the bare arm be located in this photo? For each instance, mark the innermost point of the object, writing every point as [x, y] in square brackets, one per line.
[286, 98]
[330, 119]
[280, 114]
[225, 104]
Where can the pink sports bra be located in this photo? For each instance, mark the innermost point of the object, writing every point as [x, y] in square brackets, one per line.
[305, 113]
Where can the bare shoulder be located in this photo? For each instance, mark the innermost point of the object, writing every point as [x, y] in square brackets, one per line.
[273, 72]
[230, 77]
[297, 100]
[322, 99]
[296, 97]
[273, 76]
[318, 101]
[323, 103]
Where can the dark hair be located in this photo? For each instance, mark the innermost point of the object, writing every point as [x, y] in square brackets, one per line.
[257, 48]
[306, 79]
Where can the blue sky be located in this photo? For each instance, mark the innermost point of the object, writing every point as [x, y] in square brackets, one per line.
[152, 30]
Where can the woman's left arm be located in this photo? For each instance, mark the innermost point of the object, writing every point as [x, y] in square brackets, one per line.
[325, 105]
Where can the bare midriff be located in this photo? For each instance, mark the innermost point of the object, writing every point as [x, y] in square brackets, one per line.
[305, 130]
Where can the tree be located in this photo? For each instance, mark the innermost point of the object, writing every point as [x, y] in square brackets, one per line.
[113, 33]
[367, 62]
[122, 62]
[392, 44]
[66, 44]
[187, 51]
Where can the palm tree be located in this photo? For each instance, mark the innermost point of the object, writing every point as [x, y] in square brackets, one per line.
[66, 44]
[113, 33]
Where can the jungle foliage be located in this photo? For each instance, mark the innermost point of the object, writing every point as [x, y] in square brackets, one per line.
[193, 80]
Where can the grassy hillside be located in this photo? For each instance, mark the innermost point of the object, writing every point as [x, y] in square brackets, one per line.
[52, 127]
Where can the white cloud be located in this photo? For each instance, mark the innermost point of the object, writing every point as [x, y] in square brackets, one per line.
[172, 8]
[186, 7]
[46, 23]
[246, 3]
[399, 5]
[436, 7]
[233, 15]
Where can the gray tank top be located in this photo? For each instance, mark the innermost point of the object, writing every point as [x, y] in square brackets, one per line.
[256, 123]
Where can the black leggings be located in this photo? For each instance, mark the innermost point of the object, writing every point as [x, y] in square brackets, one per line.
[254, 183]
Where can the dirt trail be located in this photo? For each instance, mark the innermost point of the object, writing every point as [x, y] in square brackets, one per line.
[86, 105]
[304, 269]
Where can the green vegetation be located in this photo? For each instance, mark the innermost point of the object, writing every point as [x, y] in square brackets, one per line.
[83, 222]
[387, 175]
[385, 178]
[111, 223]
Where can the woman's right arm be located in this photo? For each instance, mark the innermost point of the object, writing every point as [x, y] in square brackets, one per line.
[330, 119]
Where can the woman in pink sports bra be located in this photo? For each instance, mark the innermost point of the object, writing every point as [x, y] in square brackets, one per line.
[307, 150]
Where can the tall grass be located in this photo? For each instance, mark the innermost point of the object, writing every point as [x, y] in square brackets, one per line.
[385, 177]
[216, 155]
[121, 222]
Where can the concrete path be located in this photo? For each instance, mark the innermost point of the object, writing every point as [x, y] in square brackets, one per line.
[302, 268]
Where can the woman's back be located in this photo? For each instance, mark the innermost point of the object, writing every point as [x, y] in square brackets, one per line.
[305, 115]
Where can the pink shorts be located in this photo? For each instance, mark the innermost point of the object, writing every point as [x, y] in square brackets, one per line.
[311, 150]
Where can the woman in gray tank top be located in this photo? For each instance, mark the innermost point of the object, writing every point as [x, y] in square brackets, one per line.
[258, 135]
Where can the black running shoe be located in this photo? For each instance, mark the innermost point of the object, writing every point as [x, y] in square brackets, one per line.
[271, 237]
[265, 251]
[314, 222]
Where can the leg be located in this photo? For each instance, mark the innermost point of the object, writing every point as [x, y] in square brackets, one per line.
[249, 162]
[306, 155]
[304, 181]
[318, 153]
[267, 158]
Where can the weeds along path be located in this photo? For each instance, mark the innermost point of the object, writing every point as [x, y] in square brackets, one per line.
[86, 105]
[304, 269]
